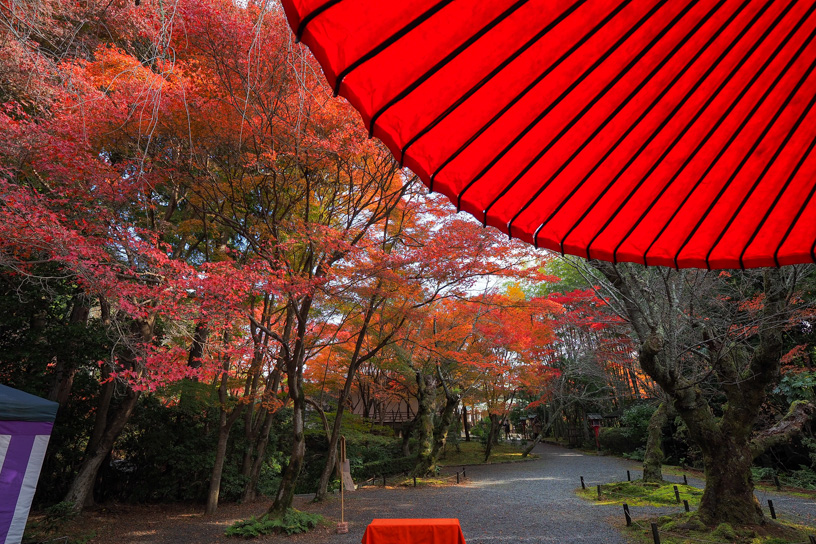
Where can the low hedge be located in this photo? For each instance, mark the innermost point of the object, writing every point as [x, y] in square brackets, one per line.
[617, 440]
[396, 465]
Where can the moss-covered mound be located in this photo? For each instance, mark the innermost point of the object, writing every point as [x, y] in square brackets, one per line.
[639, 493]
[687, 527]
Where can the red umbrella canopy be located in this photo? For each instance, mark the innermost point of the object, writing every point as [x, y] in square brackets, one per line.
[661, 132]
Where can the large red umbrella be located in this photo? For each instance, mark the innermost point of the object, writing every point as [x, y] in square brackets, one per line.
[661, 132]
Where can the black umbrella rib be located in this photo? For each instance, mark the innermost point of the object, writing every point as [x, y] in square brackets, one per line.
[555, 103]
[314, 13]
[805, 205]
[611, 116]
[744, 161]
[461, 100]
[705, 106]
[781, 192]
[442, 63]
[713, 128]
[683, 132]
[747, 118]
[643, 115]
[529, 87]
[733, 137]
[764, 172]
[710, 133]
[388, 42]
[662, 125]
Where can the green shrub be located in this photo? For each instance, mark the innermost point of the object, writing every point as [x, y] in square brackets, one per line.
[636, 421]
[631, 436]
[797, 386]
[396, 465]
[365, 443]
[724, 530]
[292, 522]
[805, 478]
[637, 455]
[759, 474]
[481, 429]
[56, 516]
[615, 439]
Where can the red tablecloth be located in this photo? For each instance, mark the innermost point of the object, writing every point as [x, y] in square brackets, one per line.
[414, 531]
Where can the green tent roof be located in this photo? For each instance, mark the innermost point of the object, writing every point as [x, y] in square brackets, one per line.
[15, 405]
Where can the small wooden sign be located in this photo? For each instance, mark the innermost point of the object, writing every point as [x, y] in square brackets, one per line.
[345, 467]
[348, 483]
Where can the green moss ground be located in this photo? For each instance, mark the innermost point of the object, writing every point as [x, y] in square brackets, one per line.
[686, 528]
[638, 493]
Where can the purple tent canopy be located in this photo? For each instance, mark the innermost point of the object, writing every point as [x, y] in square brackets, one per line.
[25, 427]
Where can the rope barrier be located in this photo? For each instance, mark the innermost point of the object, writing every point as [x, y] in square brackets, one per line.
[458, 477]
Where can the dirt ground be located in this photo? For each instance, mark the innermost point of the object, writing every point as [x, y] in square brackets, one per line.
[179, 523]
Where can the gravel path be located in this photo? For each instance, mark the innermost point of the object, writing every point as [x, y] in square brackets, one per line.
[794, 509]
[526, 502]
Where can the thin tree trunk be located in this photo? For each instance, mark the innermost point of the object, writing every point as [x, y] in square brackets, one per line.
[200, 336]
[224, 426]
[107, 429]
[65, 371]
[262, 439]
[251, 488]
[465, 422]
[286, 490]
[407, 431]
[294, 380]
[102, 409]
[332, 463]
[81, 490]
[491, 436]
[225, 423]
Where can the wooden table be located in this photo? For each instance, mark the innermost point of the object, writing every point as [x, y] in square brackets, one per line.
[413, 531]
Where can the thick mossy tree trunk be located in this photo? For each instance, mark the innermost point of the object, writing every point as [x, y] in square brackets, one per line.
[445, 422]
[729, 490]
[653, 459]
[725, 441]
[426, 395]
